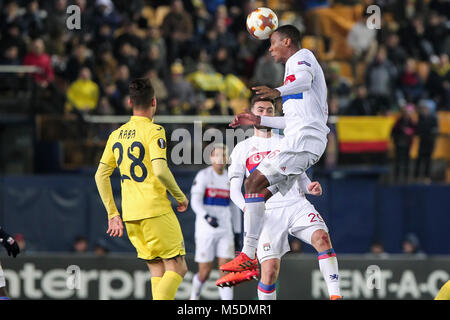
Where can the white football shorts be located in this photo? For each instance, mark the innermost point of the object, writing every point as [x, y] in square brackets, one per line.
[283, 165]
[207, 248]
[280, 222]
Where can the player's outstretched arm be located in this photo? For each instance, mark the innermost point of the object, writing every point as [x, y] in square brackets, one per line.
[9, 243]
[162, 172]
[303, 82]
[249, 118]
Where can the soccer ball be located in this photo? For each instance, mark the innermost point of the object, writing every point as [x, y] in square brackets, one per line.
[261, 23]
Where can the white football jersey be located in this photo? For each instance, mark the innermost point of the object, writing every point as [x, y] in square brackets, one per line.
[215, 189]
[306, 113]
[246, 157]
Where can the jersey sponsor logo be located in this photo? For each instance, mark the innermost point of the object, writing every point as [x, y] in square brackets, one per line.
[304, 63]
[216, 197]
[254, 160]
[161, 143]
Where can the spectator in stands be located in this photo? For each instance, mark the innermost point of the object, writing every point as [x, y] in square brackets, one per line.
[403, 133]
[363, 43]
[245, 55]
[39, 58]
[123, 79]
[427, 130]
[224, 37]
[414, 40]
[10, 15]
[221, 105]
[267, 72]
[100, 250]
[129, 56]
[360, 105]
[377, 250]
[177, 29]
[411, 85]
[83, 94]
[154, 59]
[395, 53]
[222, 62]
[106, 67]
[104, 38]
[12, 37]
[338, 86]
[438, 82]
[411, 245]
[56, 21]
[10, 56]
[32, 21]
[181, 93]
[158, 56]
[160, 90]
[80, 245]
[436, 32]
[80, 58]
[105, 12]
[381, 76]
[130, 34]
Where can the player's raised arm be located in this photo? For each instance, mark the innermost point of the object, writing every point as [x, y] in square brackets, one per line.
[302, 82]
[249, 118]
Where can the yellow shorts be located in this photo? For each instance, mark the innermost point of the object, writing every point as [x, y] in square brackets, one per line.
[157, 237]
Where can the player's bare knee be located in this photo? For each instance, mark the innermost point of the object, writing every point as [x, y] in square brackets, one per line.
[270, 270]
[320, 240]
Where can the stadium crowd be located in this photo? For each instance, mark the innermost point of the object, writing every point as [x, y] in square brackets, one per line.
[202, 60]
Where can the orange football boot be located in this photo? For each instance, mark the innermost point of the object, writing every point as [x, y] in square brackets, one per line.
[235, 278]
[240, 263]
[335, 297]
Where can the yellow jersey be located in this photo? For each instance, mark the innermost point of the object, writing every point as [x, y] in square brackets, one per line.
[444, 293]
[131, 148]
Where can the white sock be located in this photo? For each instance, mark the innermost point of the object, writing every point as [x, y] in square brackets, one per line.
[197, 286]
[328, 265]
[267, 291]
[253, 222]
[226, 293]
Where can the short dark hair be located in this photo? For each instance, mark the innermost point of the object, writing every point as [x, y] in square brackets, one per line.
[256, 99]
[141, 93]
[291, 32]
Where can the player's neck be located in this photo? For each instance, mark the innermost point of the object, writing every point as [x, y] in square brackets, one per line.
[291, 52]
[218, 170]
[142, 113]
[263, 133]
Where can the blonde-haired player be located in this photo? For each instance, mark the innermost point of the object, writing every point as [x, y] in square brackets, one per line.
[138, 149]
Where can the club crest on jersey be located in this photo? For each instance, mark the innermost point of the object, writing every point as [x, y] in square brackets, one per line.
[304, 63]
[254, 160]
[266, 246]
